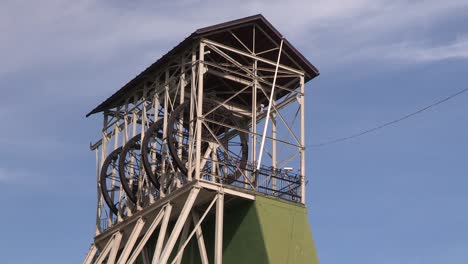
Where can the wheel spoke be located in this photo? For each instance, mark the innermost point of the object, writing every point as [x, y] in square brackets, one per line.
[233, 142]
[108, 181]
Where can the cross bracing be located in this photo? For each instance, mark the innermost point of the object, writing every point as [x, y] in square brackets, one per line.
[197, 119]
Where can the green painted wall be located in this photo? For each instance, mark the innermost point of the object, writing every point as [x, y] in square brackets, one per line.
[286, 232]
[264, 231]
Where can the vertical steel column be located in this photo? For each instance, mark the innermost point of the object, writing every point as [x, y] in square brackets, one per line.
[134, 116]
[143, 184]
[214, 161]
[156, 118]
[254, 110]
[165, 120]
[125, 135]
[104, 139]
[97, 231]
[191, 114]
[114, 172]
[133, 164]
[254, 121]
[218, 257]
[274, 158]
[156, 103]
[303, 161]
[103, 157]
[144, 120]
[124, 141]
[199, 110]
[181, 101]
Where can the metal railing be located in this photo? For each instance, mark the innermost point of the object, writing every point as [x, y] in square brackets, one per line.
[105, 222]
[279, 183]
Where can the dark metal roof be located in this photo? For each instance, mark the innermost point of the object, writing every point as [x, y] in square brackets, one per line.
[259, 20]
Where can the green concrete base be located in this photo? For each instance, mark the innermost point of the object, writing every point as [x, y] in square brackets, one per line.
[264, 231]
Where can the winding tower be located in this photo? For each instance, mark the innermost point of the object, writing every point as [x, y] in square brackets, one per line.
[202, 155]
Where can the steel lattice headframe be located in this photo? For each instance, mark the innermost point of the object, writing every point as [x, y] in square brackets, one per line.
[191, 121]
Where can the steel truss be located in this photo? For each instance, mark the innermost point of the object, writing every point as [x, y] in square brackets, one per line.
[128, 240]
[198, 120]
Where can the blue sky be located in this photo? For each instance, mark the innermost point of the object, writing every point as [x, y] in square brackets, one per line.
[396, 196]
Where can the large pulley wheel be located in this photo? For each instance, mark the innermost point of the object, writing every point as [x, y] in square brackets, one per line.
[110, 181]
[151, 152]
[129, 167]
[224, 148]
[178, 136]
[157, 161]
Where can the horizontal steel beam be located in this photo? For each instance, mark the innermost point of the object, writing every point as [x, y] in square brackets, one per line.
[246, 54]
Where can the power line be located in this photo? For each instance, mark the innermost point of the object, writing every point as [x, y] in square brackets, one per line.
[391, 122]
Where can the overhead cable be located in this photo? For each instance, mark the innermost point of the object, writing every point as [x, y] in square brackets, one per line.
[370, 130]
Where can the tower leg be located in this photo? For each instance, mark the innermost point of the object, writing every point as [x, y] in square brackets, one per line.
[162, 235]
[105, 251]
[200, 239]
[178, 226]
[115, 247]
[219, 229]
[91, 253]
[146, 237]
[131, 241]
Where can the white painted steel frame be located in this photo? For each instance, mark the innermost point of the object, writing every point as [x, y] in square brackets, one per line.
[140, 232]
[183, 79]
[175, 83]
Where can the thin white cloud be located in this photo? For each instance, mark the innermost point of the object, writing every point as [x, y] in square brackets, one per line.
[411, 52]
[417, 53]
[51, 33]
